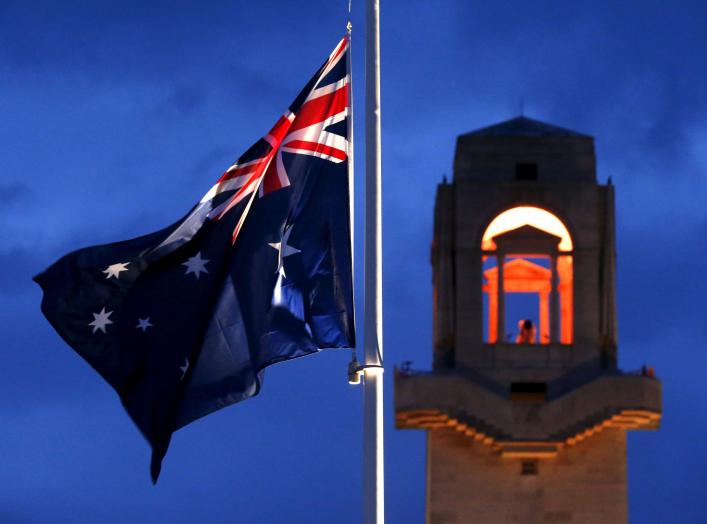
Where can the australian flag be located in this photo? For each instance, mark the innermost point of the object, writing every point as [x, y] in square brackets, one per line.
[183, 321]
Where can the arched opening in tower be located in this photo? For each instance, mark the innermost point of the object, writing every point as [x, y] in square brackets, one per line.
[527, 278]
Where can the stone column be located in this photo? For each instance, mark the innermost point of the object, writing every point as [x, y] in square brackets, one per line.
[544, 334]
[554, 302]
[501, 299]
[493, 312]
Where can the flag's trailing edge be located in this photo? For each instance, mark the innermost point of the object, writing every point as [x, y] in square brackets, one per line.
[183, 321]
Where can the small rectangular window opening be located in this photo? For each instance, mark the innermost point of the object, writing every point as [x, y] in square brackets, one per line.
[529, 467]
[529, 391]
[526, 171]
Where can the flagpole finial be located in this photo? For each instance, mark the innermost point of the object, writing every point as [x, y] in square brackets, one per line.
[348, 26]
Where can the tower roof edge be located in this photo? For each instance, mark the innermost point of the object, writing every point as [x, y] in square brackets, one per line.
[523, 126]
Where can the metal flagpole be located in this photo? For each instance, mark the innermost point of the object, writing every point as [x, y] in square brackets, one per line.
[373, 313]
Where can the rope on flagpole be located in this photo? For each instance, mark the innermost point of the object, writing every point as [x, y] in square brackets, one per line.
[354, 370]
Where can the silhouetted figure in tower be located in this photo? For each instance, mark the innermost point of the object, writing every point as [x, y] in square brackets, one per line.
[526, 332]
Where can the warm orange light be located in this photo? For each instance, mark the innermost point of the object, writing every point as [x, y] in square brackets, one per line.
[526, 215]
[520, 276]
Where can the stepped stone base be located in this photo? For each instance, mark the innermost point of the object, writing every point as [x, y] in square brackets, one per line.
[437, 400]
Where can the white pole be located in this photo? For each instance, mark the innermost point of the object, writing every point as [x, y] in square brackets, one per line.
[373, 507]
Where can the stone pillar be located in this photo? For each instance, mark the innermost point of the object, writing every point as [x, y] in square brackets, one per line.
[544, 334]
[554, 300]
[501, 299]
[493, 312]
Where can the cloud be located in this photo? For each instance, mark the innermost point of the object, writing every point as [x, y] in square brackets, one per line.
[181, 100]
[217, 158]
[13, 193]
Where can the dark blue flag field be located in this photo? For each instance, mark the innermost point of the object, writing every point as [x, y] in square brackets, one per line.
[183, 321]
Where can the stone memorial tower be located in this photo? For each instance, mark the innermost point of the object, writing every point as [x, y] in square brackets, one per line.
[525, 409]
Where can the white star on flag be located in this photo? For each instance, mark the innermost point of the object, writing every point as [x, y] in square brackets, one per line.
[196, 265]
[101, 320]
[143, 324]
[114, 270]
[283, 250]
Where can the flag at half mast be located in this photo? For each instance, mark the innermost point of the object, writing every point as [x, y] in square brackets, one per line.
[182, 322]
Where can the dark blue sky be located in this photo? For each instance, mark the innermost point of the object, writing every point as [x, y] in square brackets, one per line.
[115, 117]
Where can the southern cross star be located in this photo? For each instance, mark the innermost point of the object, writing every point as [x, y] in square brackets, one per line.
[114, 270]
[143, 324]
[101, 320]
[283, 250]
[196, 265]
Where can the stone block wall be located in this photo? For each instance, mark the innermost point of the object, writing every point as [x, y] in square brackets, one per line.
[469, 483]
